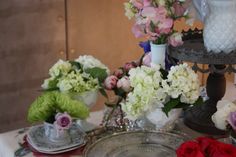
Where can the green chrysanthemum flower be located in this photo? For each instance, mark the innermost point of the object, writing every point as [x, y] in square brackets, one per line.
[49, 103]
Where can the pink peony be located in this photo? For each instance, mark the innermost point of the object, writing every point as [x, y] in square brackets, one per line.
[110, 82]
[147, 60]
[176, 39]
[63, 121]
[118, 73]
[124, 83]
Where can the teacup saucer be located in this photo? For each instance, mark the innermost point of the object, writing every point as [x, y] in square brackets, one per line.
[40, 142]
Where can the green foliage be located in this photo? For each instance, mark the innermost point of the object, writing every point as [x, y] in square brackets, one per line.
[98, 73]
[175, 103]
[76, 64]
[170, 105]
[49, 103]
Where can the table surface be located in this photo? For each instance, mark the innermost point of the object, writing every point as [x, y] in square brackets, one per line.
[9, 140]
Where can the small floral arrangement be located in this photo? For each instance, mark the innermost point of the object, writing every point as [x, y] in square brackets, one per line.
[144, 88]
[83, 74]
[49, 108]
[154, 19]
[225, 116]
[206, 147]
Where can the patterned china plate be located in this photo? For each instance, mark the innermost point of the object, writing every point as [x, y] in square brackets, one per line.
[38, 140]
[136, 144]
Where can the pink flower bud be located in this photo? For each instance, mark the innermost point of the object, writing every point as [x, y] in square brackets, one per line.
[129, 66]
[124, 83]
[110, 82]
[118, 73]
[63, 121]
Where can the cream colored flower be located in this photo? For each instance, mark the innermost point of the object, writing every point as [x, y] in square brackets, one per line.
[224, 108]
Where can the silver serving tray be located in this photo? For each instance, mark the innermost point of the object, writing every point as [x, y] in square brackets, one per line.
[137, 144]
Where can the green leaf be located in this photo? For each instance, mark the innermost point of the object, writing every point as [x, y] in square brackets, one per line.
[170, 105]
[103, 92]
[164, 73]
[76, 64]
[199, 101]
[51, 89]
[120, 92]
[98, 73]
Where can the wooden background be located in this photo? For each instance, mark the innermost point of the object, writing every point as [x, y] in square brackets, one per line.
[36, 33]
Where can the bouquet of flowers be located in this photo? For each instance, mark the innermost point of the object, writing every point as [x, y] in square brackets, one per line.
[143, 89]
[154, 19]
[58, 103]
[225, 116]
[83, 74]
[49, 105]
[206, 147]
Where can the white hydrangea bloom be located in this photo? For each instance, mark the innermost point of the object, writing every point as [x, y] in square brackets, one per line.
[60, 68]
[89, 61]
[75, 82]
[224, 108]
[182, 81]
[147, 92]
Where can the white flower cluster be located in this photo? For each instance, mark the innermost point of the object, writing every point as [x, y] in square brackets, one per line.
[89, 61]
[147, 91]
[151, 90]
[224, 108]
[69, 78]
[182, 81]
[75, 82]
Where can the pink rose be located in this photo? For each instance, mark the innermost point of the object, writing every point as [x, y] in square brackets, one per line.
[118, 73]
[63, 121]
[129, 66]
[176, 39]
[124, 83]
[147, 59]
[110, 82]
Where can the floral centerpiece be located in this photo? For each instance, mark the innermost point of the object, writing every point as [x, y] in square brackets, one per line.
[154, 19]
[57, 111]
[225, 117]
[154, 93]
[205, 147]
[77, 78]
[68, 94]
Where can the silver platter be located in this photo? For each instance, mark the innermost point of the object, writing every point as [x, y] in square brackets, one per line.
[137, 144]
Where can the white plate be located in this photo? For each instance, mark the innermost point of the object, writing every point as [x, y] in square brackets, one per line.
[37, 139]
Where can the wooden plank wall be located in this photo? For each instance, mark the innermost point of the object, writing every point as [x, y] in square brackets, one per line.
[32, 38]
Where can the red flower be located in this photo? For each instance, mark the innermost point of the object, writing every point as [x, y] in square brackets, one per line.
[189, 149]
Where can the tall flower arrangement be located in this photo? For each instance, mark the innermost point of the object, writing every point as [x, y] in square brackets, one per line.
[154, 19]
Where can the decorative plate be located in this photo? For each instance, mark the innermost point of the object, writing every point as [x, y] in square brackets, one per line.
[137, 144]
[38, 140]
